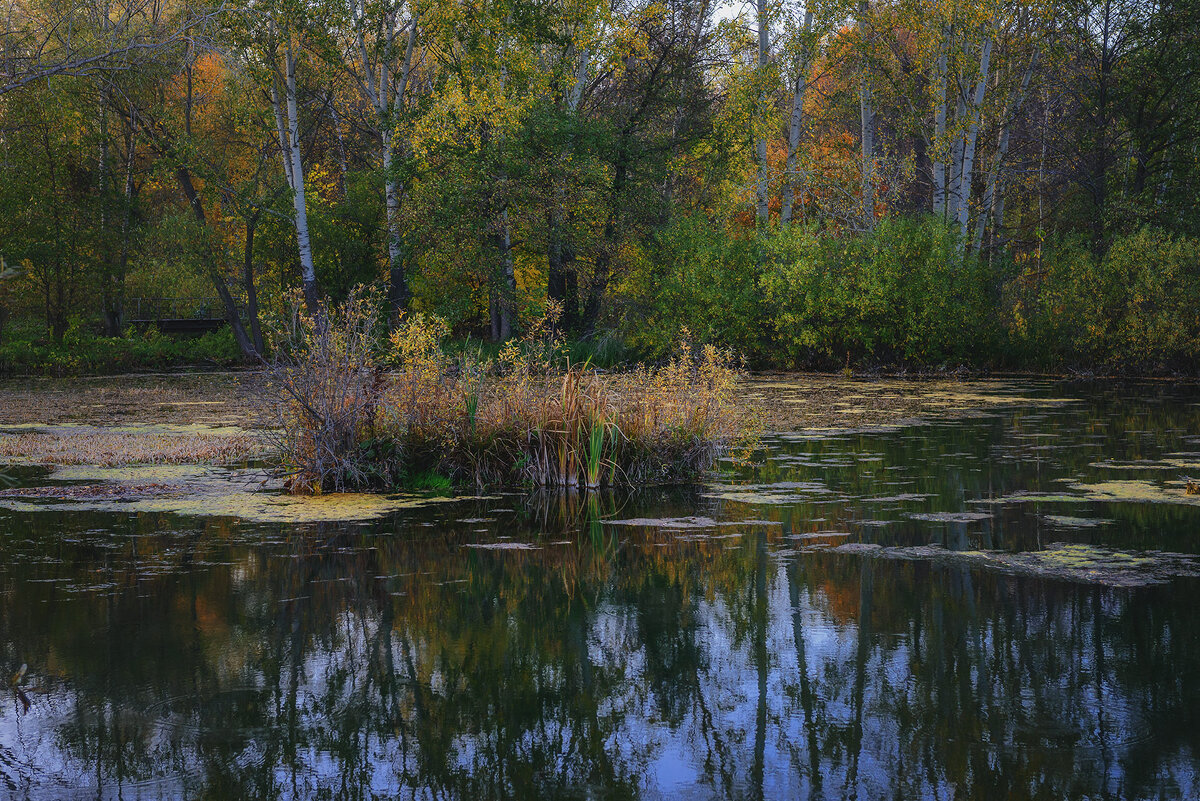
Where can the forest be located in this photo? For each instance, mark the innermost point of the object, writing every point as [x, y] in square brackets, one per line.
[901, 184]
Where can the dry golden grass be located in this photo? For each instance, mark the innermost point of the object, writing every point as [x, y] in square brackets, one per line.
[352, 415]
[97, 447]
[197, 398]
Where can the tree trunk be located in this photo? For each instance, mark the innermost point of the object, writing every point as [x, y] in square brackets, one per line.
[761, 203]
[968, 166]
[397, 280]
[251, 287]
[795, 122]
[603, 260]
[867, 104]
[954, 172]
[992, 190]
[561, 282]
[116, 310]
[939, 133]
[213, 265]
[293, 168]
[308, 274]
[504, 303]
[388, 102]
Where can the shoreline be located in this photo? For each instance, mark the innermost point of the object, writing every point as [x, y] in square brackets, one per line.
[217, 417]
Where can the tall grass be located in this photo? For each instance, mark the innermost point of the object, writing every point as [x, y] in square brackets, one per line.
[360, 413]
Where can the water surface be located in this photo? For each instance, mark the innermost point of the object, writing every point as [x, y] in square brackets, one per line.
[712, 643]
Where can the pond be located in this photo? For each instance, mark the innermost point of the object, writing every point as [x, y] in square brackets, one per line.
[998, 606]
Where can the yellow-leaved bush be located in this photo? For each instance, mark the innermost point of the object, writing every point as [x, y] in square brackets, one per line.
[355, 413]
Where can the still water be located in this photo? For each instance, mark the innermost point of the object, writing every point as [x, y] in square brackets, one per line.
[718, 643]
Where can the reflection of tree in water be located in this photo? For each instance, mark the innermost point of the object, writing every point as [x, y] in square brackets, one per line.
[353, 660]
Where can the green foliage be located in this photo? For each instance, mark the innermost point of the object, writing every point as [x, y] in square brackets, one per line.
[1134, 308]
[693, 275]
[802, 296]
[904, 292]
[83, 352]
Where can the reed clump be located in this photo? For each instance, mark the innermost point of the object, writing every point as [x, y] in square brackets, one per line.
[357, 412]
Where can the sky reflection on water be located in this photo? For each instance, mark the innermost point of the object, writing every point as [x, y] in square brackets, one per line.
[187, 658]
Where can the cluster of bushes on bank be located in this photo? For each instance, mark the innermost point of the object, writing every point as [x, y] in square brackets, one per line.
[80, 351]
[356, 411]
[906, 294]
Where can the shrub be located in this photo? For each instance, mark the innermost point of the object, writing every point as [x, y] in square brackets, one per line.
[904, 292]
[327, 388]
[1134, 308]
[83, 352]
[696, 275]
[347, 423]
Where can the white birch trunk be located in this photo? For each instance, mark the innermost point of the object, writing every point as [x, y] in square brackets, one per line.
[308, 273]
[761, 203]
[954, 169]
[795, 125]
[993, 199]
[867, 105]
[968, 165]
[938, 149]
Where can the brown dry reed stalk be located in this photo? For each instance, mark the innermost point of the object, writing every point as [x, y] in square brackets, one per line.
[356, 412]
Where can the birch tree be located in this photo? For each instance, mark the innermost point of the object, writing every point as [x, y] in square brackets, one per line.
[762, 185]
[800, 37]
[867, 116]
[380, 52]
[281, 56]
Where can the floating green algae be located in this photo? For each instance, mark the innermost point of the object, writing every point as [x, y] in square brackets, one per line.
[1168, 463]
[1077, 562]
[137, 473]
[1136, 492]
[1076, 522]
[249, 495]
[768, 494]
[949, 517]
[681, 523]
[1131, 491]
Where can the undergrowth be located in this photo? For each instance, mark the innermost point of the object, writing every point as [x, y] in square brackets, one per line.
[357, 411]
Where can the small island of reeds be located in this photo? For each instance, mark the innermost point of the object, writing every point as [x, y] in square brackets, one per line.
[360, 411]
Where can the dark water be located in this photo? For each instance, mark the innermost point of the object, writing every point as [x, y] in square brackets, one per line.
[185, 658]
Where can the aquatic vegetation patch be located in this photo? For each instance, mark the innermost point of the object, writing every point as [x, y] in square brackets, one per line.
[949, 517]
[781, 492]
[899, 498]
[694, 522]
[72, 491]
[818, 407]
[207, 398]
[249, 495]
[1136, 492]
[352, 415]
[1168, 463]
[1130, 491]
[145, 473]
[97, 445]
[1089, 564]
[1076, 522]
[502, 546]
[666, 522]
